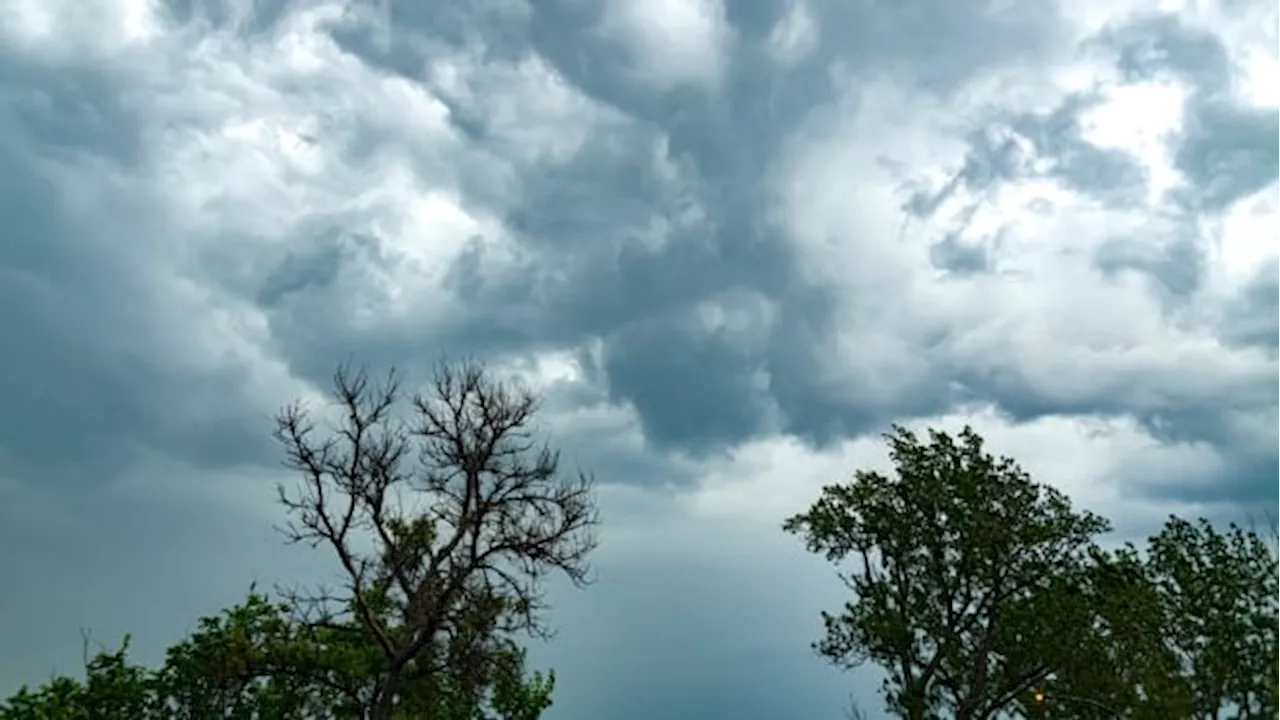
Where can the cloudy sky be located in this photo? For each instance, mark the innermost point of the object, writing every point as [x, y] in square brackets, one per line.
[730, 241]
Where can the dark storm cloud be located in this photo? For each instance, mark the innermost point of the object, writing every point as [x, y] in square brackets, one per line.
[1227, 152]
[1248, 478]
[959, 257]
[69, 110]
[257, 19]
[1005, 147]
[86, 372]
[1253, 316]
[597, 279]
[1152, 46]
[594, 275]
[662, 368]
[1177, 266]
[943, 43]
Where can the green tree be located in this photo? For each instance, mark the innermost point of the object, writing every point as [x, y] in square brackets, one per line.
[956, 563]
[444, 523]
[254, 662]
[1220, 594]
[113, 689]
[1187, 629]
[1115, 661]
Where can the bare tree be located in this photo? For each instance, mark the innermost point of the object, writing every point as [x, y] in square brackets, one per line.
[444, 521]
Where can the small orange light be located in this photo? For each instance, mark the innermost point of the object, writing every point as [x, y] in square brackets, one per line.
[1039, 697]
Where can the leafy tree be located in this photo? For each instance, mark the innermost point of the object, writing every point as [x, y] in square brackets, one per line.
[1115, 661]
[451, 578]
[253, 662]
[113, 689]
[957, 564]
[1220, 595]
[444, 525]
[1188, 630]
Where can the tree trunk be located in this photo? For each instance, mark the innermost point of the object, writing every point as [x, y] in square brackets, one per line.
[384, 702]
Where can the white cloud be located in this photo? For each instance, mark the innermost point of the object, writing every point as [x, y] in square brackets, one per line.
[529, 111]
[542, 372]
[262, 137]
[1259, 66]
[60, 30]
[1045, 315]
[1253, 46]
[1140, 119]
[844, 223]
[257, 145]
[1242, 242]
[1092, 460]
[794, 36]
[1249, 27]
[672, 42]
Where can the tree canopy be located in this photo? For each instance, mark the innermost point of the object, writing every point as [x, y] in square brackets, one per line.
[956, 560]
[444, 516]
[254, 662]
[464, 514]
[983, 594]
[978, 591]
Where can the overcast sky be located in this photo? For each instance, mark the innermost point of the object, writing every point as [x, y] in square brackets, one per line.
[730, 241]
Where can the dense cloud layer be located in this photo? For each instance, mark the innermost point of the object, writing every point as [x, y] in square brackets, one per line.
[731, 241]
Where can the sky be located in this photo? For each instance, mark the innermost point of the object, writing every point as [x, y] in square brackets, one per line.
[729, 242]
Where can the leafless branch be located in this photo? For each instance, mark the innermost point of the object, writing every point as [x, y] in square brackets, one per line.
[497, 516]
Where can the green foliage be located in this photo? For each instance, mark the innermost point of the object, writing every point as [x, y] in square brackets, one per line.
[112, 690]
[982, 594]
[253, 662]
[425, 621]
[1113, 659]
[1219, 591]
[955, 563]
[1187, 630]
[466, 513]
